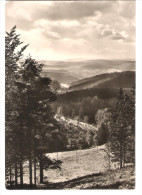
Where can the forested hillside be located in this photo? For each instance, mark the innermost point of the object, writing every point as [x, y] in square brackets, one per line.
[77, 135]
[84, 104]
[110, 80]
[85, 97]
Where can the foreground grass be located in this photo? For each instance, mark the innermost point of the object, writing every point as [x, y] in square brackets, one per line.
[84, 169]
[113, 179]
[77, 164]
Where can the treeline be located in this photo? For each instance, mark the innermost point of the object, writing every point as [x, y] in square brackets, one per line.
[83, 109]
[101, 93]
[30, 128]
[84, 104]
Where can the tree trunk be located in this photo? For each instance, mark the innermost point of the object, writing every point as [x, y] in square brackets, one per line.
[97, 145]
[15, 173]
[21, 173]
[30, 138]
[124, 154]
[120, 163]
[30, 169]
[34, 170]
[108, 156]
[34, 157]
[121, 156]
[10, 174]
[41, 169]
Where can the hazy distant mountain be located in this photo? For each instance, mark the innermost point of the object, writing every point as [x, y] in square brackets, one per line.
[124, 79]
[63, 77]
[73, 70]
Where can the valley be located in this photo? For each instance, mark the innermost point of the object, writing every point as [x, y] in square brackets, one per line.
[74, 151]
[82, 110]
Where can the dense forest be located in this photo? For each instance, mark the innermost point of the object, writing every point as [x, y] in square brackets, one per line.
[84, 104]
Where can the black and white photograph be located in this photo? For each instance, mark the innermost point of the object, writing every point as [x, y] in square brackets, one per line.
[70, 95]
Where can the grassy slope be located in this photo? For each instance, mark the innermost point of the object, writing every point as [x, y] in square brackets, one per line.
[85, 162]
[88, 171]
[113, 179]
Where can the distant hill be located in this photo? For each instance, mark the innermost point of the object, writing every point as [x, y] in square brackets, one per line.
[124, 79]
[69, 71]
[62, 76]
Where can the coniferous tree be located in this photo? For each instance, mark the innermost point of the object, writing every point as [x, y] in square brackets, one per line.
[12, 58]
[122, 129]
[29, 116]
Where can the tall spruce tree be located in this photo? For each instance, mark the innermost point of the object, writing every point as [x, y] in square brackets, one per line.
[12, 58]
[29, 116]
[122, 137]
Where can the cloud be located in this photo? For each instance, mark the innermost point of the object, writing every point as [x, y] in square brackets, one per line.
[95, 29]
[126, 9]
[54, 11]
[51, 35]
[71, 10]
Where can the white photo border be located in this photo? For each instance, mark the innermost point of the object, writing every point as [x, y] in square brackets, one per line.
[138, 188]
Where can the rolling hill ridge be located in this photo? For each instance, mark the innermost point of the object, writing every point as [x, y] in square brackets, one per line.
[69, 71]
[124, 79]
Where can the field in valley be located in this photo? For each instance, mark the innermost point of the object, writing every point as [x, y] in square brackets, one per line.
[77, 164]
[85, 169]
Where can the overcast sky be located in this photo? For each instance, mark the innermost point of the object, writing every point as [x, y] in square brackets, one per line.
[70, 30]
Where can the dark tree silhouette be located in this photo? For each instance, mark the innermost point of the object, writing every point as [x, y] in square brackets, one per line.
[122, 134]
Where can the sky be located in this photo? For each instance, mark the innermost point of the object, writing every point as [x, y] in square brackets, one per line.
[74, 30]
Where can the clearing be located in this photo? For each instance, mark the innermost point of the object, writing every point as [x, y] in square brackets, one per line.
[84, 169]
